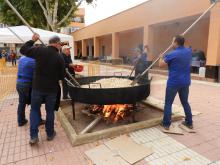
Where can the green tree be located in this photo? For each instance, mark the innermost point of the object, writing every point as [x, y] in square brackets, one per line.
[28, 9]
[46, 14]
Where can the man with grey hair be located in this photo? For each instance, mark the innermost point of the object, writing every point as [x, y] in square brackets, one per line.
[49, 70]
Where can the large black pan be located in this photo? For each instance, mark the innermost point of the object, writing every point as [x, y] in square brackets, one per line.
[108, 96]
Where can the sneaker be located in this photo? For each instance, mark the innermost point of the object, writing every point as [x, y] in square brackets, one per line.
[49, 138]
[23, 123]
[187, 125]
[165, 127]
[33, 141]
[42, 122]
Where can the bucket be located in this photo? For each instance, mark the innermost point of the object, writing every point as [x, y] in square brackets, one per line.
[202, 71]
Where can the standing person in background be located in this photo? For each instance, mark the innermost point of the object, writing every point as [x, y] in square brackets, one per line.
[49, 70]
[141, 64]
[13, 57]
[179, 80]
[4, 55]
[146, 51]
[24, 87]
[68, 65]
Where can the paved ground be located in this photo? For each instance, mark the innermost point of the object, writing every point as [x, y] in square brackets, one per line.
[14, 147]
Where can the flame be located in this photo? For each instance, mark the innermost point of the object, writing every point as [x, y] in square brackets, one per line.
[114, 112]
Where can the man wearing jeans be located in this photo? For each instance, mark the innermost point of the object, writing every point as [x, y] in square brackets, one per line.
[49, 70]
[179, 80]
[24, 87]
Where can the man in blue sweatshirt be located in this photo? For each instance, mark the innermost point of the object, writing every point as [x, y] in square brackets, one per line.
[179, 80]
[24, 87]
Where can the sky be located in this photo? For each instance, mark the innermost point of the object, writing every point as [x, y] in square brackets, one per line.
[106, 8]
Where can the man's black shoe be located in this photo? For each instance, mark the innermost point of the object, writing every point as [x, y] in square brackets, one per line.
[33, 141]
[49, 138]
[23, 123]
[187, 125]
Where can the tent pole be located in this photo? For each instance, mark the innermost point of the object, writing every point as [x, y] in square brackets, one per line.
[15, 34]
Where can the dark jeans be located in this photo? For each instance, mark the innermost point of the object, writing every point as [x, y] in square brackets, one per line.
[13, 62]
[23, 90]
[183, 95]
[36, 100]
[65, 89]
[24, 93]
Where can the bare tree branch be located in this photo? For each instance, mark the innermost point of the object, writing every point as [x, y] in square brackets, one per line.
[55, 11]
[49, 14]
[47, 6]
[45, 14]
[70, 12]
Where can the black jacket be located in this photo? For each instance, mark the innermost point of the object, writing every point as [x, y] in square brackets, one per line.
[68, 60]
[49, 66]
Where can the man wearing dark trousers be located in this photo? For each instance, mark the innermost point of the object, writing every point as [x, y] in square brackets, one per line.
[25, 73]
[68, 65]
[13, 58]
[49, 70]
[179, 80]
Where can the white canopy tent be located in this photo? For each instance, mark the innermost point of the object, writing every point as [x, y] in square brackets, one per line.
[6, 36]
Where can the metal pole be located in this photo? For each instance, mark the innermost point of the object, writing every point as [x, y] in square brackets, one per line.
[72, 78]
[22, 19]
[69, 82]
[15, 34]
[163, 53]
[91, 125]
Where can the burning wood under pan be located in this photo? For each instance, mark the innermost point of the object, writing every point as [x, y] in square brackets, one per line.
[109, 113]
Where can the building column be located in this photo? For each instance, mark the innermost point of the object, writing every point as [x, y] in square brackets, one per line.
[213, 52]
[115, 49]
[90, 48]
[75, 49]
[84, 53]
[96, 47]
[149, 40]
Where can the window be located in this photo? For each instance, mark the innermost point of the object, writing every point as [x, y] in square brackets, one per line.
[73, 29]
[78, 19]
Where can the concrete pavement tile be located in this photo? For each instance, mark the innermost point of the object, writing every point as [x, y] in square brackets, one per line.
[16, 157]
[217, 163]
[189, 140]
[3, 160]
[10, 158]
[213, 155]
[23, 155]
[215, 142]
[203, 148]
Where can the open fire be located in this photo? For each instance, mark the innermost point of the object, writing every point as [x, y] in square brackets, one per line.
[114, 112]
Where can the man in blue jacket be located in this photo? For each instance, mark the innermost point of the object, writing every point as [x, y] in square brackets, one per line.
[24, 87]
[179, 80]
